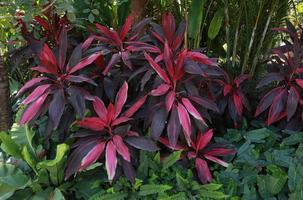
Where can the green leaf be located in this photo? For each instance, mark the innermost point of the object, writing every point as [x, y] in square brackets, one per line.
[182, 183]
[258, 135]
[27, 156]
[195, 17]
[11, 179]
[55, 166]
[171, 159]
[215, 24]
[296, 138]
[178, 196]
[9, 146]
[153, 189]
[213, 194]
[293, 177]
[91, 18]
[57, 195]
[211, 186]
[114, 196]
[276, 181]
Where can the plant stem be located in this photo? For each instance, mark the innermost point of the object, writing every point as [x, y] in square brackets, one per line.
[227, 31]
[236, 38]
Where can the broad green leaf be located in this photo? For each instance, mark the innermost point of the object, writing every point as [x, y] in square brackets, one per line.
[11, 179]
[212, 194]
[277, 179]
[212, 186]
[244, 147]
[153, 189]
[178, 196]
[293, 177]
[296, 138]
[195, 17]
[258, 135]
[171, 159]
[56, 195]
[27, 156]
[215, 24]
[182, 183]
[9, 146]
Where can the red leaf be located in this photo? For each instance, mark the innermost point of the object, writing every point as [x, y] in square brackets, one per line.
[200, 57]
[168, 25]
[167, 56]
[238, 103]
[216, 160]
[203, 171]
[160, 90]
[120, 120]
[169, 100]
[86, 44]
[180, 65]
[220, 152]
[292, 102]
[110, 112]
[30, 84]
[111, 160]
[203, 140]
[227, 89]
[33, 109]
[157, 68]
[192, 110]
[126, 27]
[42, 69]
[100, 108]
[62, 48]
[84, 62]
[92, 123]
[134, 108]
[36, 93]
[179, 35]
[112, 35]
[48, 59]
[121, 147]
[185, 123]
[92, 156]
[300, 82]
[121, 98]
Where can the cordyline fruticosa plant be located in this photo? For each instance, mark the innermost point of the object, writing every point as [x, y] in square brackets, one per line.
[109, 131]
[200, 152]
[57, 86]
[171, 100]
[284, 100]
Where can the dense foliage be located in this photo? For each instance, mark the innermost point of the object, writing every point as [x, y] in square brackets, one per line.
[128, 109]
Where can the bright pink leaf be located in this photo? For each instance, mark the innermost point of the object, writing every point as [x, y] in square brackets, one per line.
[111, 160]
[160, 90]
[84, 62]
[36, 93]
[121, 147]
[100, 108]
[134, 108]
[126, 27]
[120, 120]
[170, 99]
[238, 103]
[299, 82]
[220, 152]
[121, 98]
[185, 123]
[203, 139]
[92, 156]
[93, 123]
[192, 110]
[48, 59]
[30, 84]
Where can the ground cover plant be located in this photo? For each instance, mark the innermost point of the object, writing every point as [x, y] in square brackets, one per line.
[129, 110]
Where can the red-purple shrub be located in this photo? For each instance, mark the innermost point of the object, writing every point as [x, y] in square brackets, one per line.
[110, 130]
[200, 152]
[58, 84]
[284, 100]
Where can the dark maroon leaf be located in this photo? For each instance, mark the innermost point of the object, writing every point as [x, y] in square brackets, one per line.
[56, 107]
[173, 127]
[142, 143]
[129, 171]
[292, 102]
[269, 78]
[158, 123]
[77, 100]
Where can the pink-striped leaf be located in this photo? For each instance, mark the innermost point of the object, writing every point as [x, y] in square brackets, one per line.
[32, 110]
[126, 27]
[84, 62]
[176, 147]
[111, 160]
[121, 98]
[157, 68]
[134, 108]
[167, 56]
[168, 25]
[121, 147]
[192, 110]
[48, 59]
[36, 93]
[112, 35]
[203, 140]
[120, 120]
[203, 171]
[169, 100]
[114, 60]
[160, 90]
[185, 123]
[43, 69]
[110, 112]
[92, 156]
[220, 152]
[30, 84]
[216, 160]
[238, 103]
[100, 108]
[200, 58]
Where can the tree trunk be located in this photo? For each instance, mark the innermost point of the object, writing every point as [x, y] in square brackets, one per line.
[138, 8]
[5, 114]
